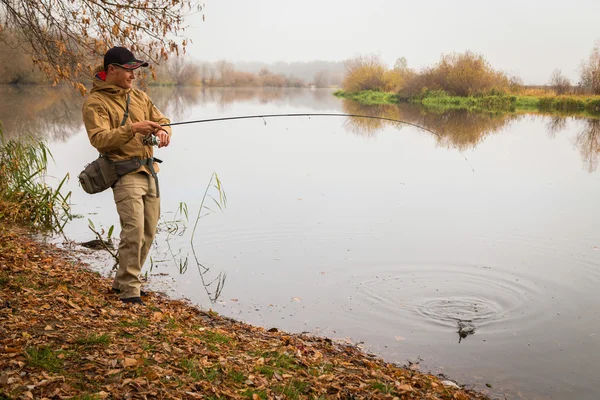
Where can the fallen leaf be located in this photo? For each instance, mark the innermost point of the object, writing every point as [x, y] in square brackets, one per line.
[129, 362]
[399, 338]
[405, 388]
[296, 298]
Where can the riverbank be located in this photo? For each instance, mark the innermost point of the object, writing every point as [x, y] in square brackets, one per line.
[63, 334]
[560, 105]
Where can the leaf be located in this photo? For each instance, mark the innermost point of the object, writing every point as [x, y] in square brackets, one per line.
[130, 362]
[296, 299]
[399, 338]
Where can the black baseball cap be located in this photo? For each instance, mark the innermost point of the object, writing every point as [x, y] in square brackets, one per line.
[123, 58]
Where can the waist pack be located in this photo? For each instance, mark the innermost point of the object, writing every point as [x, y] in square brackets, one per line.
[102, 173]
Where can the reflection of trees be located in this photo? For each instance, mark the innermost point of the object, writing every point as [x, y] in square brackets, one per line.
[39, 111]
[459, 128]
[556, 124]
[55, 112]
[588, 141]
[174, 101]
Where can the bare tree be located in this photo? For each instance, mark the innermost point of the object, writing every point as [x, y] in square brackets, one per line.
[590, 71]
[182, 72]
[66, 38]
[560, 83]
[226, 72]
[322, 79]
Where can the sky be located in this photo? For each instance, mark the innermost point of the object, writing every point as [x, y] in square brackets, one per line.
[526, 38]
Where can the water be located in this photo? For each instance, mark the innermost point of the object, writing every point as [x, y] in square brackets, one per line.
[375, 233]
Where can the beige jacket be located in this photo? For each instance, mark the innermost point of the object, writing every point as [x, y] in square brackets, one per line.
[103, 111]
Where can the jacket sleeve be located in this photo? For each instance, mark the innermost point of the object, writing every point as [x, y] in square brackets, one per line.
[157, 116]
[97, 124]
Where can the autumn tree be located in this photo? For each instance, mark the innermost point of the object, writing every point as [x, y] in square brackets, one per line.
[365, 72]
[226, 72]
[66, 38]
[590, 71]
[183, 72]
[321, 79]
[560, 83]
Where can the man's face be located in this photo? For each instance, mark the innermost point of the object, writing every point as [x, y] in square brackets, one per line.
[120, 76]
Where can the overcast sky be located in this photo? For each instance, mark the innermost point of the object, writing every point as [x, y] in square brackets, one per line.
[526, 38]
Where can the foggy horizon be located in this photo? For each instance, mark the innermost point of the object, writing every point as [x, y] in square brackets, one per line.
[526, 39]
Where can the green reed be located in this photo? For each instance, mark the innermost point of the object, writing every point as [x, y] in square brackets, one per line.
[25, 198]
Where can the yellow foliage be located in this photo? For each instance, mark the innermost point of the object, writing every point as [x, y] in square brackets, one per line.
[364, 73]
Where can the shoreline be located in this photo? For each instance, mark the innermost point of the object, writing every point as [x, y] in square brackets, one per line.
[64, 333]
[568, 105]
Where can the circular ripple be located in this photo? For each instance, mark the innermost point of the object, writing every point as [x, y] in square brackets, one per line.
[443, 295]
[450, 311]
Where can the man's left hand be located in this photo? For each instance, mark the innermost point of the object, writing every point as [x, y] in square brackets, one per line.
[164, 138]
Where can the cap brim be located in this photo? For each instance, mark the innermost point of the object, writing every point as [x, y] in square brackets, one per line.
[134, 64]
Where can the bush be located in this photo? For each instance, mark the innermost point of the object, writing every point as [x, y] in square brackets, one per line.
[364, 73]
[466, 74]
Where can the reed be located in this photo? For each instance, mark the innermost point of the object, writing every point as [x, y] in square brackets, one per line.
[25, 198]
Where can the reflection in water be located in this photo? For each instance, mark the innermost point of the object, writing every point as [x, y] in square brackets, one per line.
[456, 128]
[177, 101]
[55, 113]
[555, 125]
[39, 111]
[588, 142]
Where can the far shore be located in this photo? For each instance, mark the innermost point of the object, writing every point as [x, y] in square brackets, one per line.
[584, 105]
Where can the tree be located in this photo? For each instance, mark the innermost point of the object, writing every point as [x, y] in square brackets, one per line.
[322, 79]
[401, 64]
[226, 72]
[66, 38]
[560, 83]
[182, 72]
[590, 71]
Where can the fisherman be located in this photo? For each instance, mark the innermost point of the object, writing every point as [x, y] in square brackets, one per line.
[120, 121]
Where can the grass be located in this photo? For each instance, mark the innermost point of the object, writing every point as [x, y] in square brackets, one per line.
[237, 376]
[94, 340]
[382, 387]
[293, 390]
[138, 323]
[44, 357]
[369, 97]
[25, 198]
[587, 105]
[214, 337]
[191, 367]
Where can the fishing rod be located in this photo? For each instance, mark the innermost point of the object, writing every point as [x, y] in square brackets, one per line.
[314, 115]
[302, 115]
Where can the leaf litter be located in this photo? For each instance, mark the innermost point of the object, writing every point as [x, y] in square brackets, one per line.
[65, 335]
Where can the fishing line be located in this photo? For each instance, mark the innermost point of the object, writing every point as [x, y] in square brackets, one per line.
[313, 115]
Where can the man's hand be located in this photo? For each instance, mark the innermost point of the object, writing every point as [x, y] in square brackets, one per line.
[146, 128]
[164, 138]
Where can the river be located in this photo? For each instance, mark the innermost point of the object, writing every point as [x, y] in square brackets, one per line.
[371, 232]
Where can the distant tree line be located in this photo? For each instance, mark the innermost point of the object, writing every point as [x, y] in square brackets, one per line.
[461, 74]
[182, 71]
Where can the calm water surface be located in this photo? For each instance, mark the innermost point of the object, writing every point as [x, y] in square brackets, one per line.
[375, 233]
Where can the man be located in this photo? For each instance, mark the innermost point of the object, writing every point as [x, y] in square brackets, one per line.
[118, 119]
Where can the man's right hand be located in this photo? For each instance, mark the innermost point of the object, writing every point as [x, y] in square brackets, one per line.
[145, 127]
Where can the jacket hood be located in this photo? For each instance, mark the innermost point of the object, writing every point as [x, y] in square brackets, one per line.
[99, 84]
